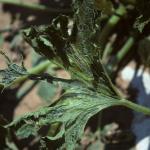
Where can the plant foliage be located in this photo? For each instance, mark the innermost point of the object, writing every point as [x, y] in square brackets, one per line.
[88, 92]
[11, 73]
[144, 18]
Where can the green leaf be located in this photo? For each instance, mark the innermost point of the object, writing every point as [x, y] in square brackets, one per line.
[11, 73]
[50, 41]
[90, 89]
[26, 130]
[141, 22]
[73, 111]
[53, 40]
[89, 93]
[144, 14]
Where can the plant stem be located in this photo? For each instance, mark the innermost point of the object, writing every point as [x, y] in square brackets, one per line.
[36, 70]
[121, 53]
[110, 25]
[32, 6]
[125, 49]
[108, 49]
[136, 107]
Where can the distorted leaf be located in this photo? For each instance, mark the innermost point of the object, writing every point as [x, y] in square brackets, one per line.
[88, 92]
[73, 111]
[50, 40]
[83, 98]
[11, 73]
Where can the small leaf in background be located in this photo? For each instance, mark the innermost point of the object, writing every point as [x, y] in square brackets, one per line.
[11, 73]
[47, 91]
[140, 23]
[143, 19]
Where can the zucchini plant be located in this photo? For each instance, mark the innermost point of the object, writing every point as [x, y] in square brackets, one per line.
[80, 52]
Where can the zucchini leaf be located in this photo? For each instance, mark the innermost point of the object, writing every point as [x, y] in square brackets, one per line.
[73, 111]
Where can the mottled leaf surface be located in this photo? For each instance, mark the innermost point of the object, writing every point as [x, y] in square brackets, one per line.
[11, 73]
[74, 109]
[90, 89]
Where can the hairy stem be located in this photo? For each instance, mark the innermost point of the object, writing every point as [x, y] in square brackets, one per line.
[32, 6]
